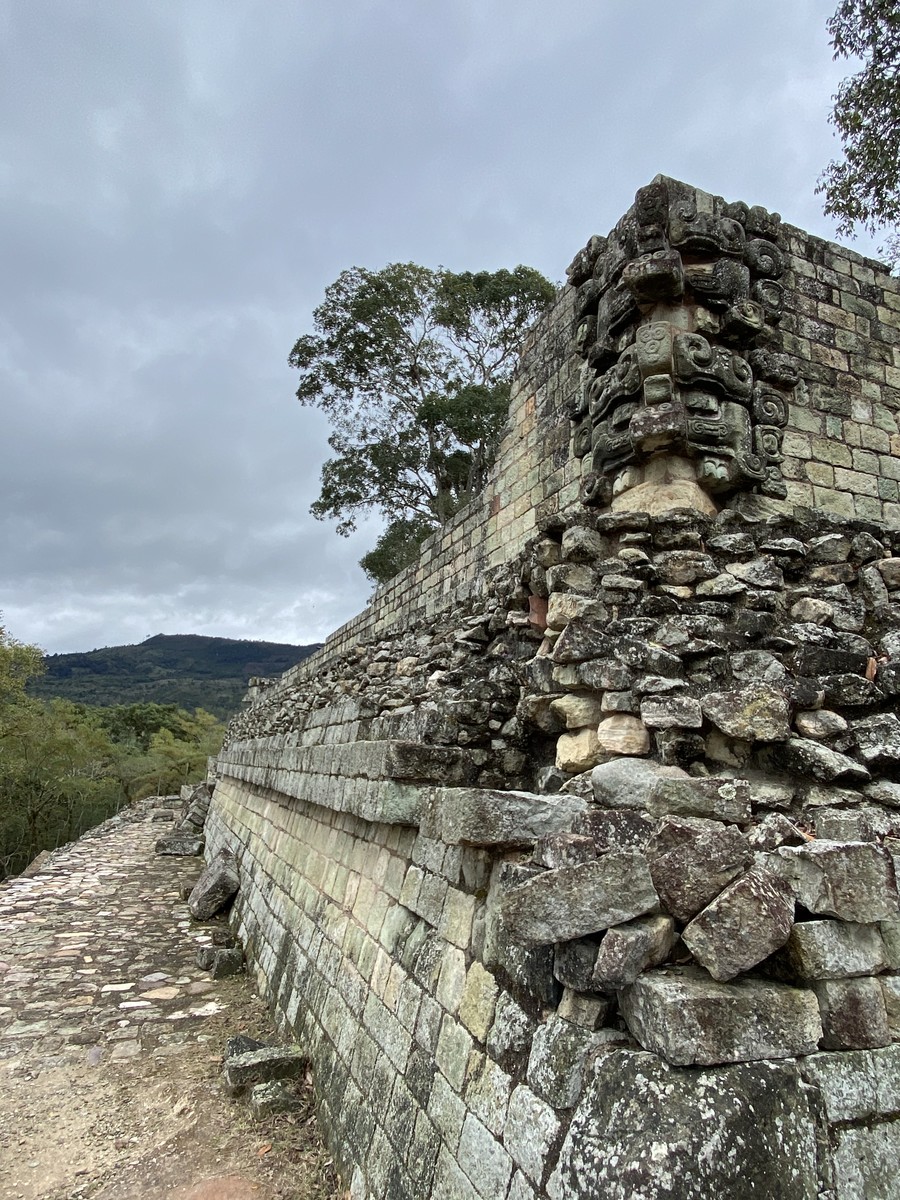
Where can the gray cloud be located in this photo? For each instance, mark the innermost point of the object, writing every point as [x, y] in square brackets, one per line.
[179, 184]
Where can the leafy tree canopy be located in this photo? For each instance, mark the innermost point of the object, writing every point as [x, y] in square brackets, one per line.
[412, 368]
[863, 187]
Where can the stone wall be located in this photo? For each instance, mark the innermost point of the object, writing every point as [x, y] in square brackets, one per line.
[571, 861]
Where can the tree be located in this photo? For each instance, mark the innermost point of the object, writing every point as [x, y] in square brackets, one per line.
[863, 188]
[412, 367]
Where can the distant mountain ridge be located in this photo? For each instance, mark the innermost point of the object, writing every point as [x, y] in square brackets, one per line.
[187, 669]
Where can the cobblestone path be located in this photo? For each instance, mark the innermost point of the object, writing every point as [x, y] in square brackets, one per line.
[111, 1036]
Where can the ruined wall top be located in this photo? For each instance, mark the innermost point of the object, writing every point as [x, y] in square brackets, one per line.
[705, 355]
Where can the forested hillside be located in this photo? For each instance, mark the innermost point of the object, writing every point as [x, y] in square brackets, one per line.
[188, 670]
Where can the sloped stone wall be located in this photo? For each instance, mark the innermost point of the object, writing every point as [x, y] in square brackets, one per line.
[572, 860]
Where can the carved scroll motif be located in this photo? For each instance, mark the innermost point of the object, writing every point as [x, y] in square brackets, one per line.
[674, 320]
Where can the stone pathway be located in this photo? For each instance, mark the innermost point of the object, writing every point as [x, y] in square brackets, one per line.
[110, 1035]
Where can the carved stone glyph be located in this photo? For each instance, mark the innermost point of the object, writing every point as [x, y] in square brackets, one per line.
[683, 395]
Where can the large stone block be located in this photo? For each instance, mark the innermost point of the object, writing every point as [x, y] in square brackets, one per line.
[483, 817]
[853, 881]
[853, 1013]
[746, 923]
[628, 949]
[691, 1019]
[645, 1129]
[571, 902]
[833, 950]
[756, 712]
[692, 860]
[218, 882]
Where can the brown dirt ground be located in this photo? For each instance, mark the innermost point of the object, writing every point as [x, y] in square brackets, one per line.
[158, 1128]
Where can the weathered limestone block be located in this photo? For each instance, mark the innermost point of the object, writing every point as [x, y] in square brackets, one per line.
[635, 1133]
[218, 882]
[563, 850]
[529, 1130]
[692, 860]
[890, 991]
[557, 1061]
[627, 782]
[571, 902]
[854, 1016]
[878, 740]
[483, 817]
[806, 757]
[834, 950]
[262, 1066]
[578, 751]
[577, 711]
[564, 607]
[671, 712]
[853, 881]
[221, 961]
[691, 1019]
[614, 829]
[273, 1097]
[181, 845]
[628, 949]
[760, 572]
[756, 712]
[749, 921]
[623, 734]
[428, 764]
[855, 1086]
[717, 798]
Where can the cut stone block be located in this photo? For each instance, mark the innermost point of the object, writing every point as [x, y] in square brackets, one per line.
[578, 751]
[263, 1066]
[181, 845]
[483, 817]
[636, 1133]
[627, 782]
[854, 1016]
[218, 882]
[557, 906]
[853, 881]
[220, 962]
[754, 713]
[274, 1097]
[692, 860]
[612, 829]
[557, 1061]
[628, 949]
[576, 712]
[671, 712]
[691, 1019]
[623, 734]
[749, 921]
[720, 799]
[890, 991]
[563, 850]
[834, 950]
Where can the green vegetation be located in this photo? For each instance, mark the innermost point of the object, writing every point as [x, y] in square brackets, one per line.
[187, 670]
[863, 187]
[64, 766]
[412, 367]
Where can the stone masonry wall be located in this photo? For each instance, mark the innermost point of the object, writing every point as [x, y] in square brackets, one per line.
[572, 861]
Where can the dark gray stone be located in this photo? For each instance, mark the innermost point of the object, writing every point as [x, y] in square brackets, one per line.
[853, 881]
[853, 1013]
[833, 950]
[217, 884]
[692, 860]
[750, 920]
[571, 902]
[878, 740]
[263, 1066]
[690, 1019]
[803, 756]
[181, 845]
[756, 712]
[636, 1133]
[274, 1097]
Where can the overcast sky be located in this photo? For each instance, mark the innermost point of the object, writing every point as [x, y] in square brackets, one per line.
[180, 180]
